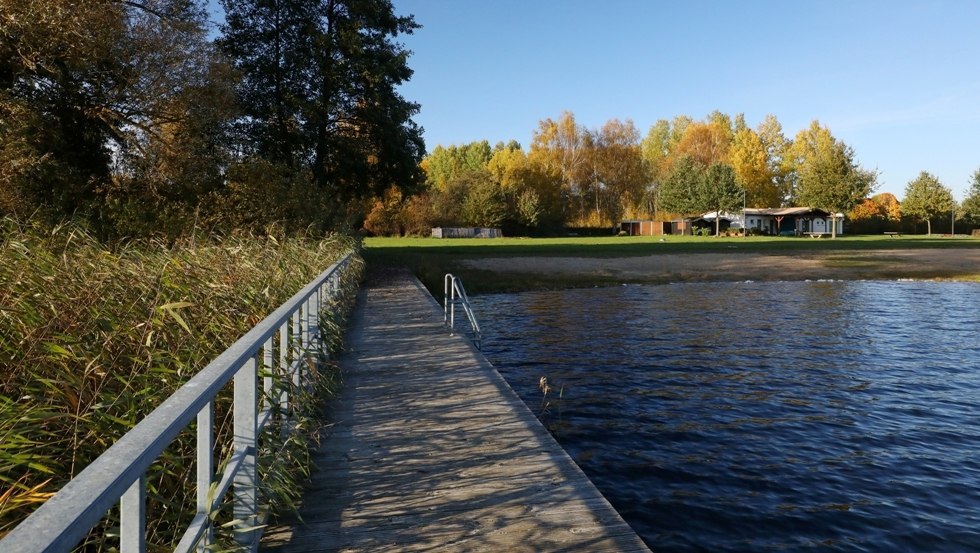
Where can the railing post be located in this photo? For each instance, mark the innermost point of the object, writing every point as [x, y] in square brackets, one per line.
[132, 522]
[205, 468]
[312, 313]
[286, 375]
[297, 348]
[268, 383]
[246, 481]
[452, 306]
[445, 298]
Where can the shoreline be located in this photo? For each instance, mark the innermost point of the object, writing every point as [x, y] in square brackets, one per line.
[904, 264]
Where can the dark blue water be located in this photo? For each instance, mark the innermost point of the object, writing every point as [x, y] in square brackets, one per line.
[826, 416]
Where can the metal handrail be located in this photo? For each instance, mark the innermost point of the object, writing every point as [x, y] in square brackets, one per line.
[452, 289]
[281, 343]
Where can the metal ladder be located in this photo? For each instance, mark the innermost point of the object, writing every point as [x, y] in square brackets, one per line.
[453, 290]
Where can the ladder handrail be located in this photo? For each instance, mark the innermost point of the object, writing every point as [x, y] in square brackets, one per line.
[452, 290]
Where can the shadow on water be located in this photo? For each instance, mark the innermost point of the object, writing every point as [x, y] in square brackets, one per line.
[836, 416]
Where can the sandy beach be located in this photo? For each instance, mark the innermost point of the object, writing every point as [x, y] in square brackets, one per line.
[928, 264]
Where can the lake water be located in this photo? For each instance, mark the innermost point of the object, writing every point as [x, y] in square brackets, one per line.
[826, 416]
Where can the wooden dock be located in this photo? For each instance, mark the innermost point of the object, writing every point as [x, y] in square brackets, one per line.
[432, 450]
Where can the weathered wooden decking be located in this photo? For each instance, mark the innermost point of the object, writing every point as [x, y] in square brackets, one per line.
[432, 451]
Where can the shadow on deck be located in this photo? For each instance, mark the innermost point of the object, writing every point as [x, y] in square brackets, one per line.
[431, 450]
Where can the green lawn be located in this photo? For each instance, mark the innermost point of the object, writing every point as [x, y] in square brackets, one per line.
[619, 246]
[431, 258]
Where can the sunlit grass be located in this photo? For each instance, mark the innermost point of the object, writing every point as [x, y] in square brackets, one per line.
[431, 258]
[647, 245]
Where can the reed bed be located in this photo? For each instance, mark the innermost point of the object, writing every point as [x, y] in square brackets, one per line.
[93, 338]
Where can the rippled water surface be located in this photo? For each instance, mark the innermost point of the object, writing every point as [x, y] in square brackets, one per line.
[827, 416]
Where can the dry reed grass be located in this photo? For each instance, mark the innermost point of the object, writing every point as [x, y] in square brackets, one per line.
[93, 338]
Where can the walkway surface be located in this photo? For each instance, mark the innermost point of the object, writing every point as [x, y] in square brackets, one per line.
[432, 450]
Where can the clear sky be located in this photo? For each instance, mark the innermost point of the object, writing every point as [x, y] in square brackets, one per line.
[897, 80]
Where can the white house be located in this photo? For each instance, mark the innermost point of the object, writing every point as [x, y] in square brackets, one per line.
[792, 221]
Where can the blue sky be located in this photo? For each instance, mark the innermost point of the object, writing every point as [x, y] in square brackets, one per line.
[898, 81]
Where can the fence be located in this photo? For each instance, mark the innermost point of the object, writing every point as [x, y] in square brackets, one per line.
[282, 344]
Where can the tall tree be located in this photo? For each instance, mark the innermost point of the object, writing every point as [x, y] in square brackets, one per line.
[485, 204]
[616, 169]
[826, 175]
[656, 149]
[707, 143]
[926, 198]
[970, 208]
[678, 126]
[749, 159]
[447, 163]
[889, 206]
[533, 195]
[272, 44]
[719, 191]
[679, 192]
[560, 146]
[770, 132]
[693, 189]
[320, 92]
[86, 90]
[723, 122]
[739, 125]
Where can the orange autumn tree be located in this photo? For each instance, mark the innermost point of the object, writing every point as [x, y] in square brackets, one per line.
[879, 213]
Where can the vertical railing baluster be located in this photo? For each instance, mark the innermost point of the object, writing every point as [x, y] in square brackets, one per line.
[268, 382]
[246, 480]
[284, 373]
[445, 299]
[315, 320]
[132, 523]
[297, 339]
[205, 468]
[307, 326]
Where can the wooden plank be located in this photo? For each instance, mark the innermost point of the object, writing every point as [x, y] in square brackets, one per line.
[432, 451]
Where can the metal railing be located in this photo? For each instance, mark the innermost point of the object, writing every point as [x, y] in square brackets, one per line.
[282, 344]
[452, 290]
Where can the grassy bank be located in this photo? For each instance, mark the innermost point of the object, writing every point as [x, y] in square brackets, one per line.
[431, 258]
[92, 339]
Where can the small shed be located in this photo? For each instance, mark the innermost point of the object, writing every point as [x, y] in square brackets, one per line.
[644, 228]
[466, 232]
[681, 226]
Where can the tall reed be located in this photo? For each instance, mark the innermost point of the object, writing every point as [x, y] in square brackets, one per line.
[93, 338]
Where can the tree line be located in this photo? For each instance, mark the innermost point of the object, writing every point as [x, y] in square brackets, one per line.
[927, 200]
[132, 117]
[573, 176]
